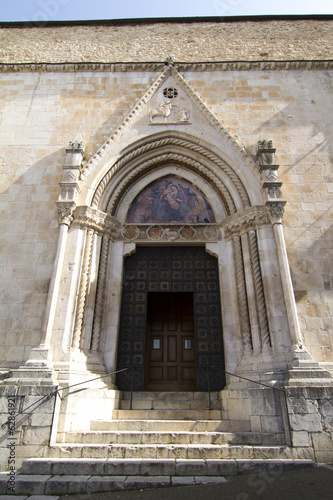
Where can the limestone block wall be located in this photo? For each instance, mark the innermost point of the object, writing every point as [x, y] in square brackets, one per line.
[310, 414]
[39, 115]
[29, 429]
[41, 112]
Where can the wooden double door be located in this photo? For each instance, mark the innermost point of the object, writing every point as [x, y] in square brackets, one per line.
[170, 325]
[170, 343]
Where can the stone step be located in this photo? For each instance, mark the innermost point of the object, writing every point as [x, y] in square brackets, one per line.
[38, 486]
[166, 414]
[153, 437]
[79, 476]
[151, 404]
[152, 467]
[165, 451]
[161, 425]
[169, 396]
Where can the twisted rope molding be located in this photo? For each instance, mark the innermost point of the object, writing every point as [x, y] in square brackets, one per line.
[97, 324]
[174, 142]
[83, 288]
[241, 292]
[259, 291]
[175, 157]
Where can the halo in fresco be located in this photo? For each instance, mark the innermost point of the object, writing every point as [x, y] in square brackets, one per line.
[170, 200]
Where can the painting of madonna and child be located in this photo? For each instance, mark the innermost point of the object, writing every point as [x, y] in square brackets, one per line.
[170, 200]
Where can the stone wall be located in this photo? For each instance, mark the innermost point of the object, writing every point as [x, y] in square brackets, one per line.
[41, 112]
[186, 41]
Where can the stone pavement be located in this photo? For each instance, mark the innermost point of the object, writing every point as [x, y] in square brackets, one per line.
[314, 483]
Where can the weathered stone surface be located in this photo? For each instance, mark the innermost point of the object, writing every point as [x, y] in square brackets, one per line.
[137, 482]
[35, 484]
[221, 41]
[62, 485]
[190, 467]
[105, 483]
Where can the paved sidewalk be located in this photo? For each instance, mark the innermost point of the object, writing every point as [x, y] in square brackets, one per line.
[306, 484]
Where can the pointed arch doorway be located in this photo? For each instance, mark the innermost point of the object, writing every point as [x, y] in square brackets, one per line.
[170, 300]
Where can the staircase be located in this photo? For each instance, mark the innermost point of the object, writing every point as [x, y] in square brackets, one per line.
[167, 438]
[168, 425]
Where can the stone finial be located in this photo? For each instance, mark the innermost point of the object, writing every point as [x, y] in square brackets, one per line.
[170, 61]
[266, 153]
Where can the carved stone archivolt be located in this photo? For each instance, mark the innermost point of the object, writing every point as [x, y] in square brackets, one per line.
[188, 148]
[182, 160]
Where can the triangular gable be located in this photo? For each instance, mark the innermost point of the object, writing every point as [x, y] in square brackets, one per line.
[149, 111]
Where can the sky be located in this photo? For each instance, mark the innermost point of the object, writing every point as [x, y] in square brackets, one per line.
[60, 10]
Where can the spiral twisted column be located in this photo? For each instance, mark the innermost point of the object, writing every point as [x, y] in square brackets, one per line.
[100, 294]
[241, 293]
[259, 291]
[84, 282]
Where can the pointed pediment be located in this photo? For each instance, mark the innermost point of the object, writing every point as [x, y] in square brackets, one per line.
[169, 104]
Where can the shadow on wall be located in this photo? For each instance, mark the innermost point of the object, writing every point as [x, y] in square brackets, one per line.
[29, 235]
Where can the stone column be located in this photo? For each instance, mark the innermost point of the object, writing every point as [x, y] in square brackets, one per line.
[42, 355]
[276, 210]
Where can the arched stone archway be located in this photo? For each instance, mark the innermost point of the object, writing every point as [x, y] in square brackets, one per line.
[241, 237]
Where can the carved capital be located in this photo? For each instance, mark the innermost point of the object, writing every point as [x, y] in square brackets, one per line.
[65, 212]
[96, 220]
[249, 219]
[275, 211]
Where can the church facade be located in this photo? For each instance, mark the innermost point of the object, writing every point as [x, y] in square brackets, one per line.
[167, 228]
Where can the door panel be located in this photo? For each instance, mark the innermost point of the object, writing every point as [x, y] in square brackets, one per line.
[170, 314]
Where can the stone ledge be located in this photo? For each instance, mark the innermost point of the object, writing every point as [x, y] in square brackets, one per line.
[324, 64]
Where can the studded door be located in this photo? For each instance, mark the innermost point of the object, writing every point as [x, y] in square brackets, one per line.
[171, 269]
